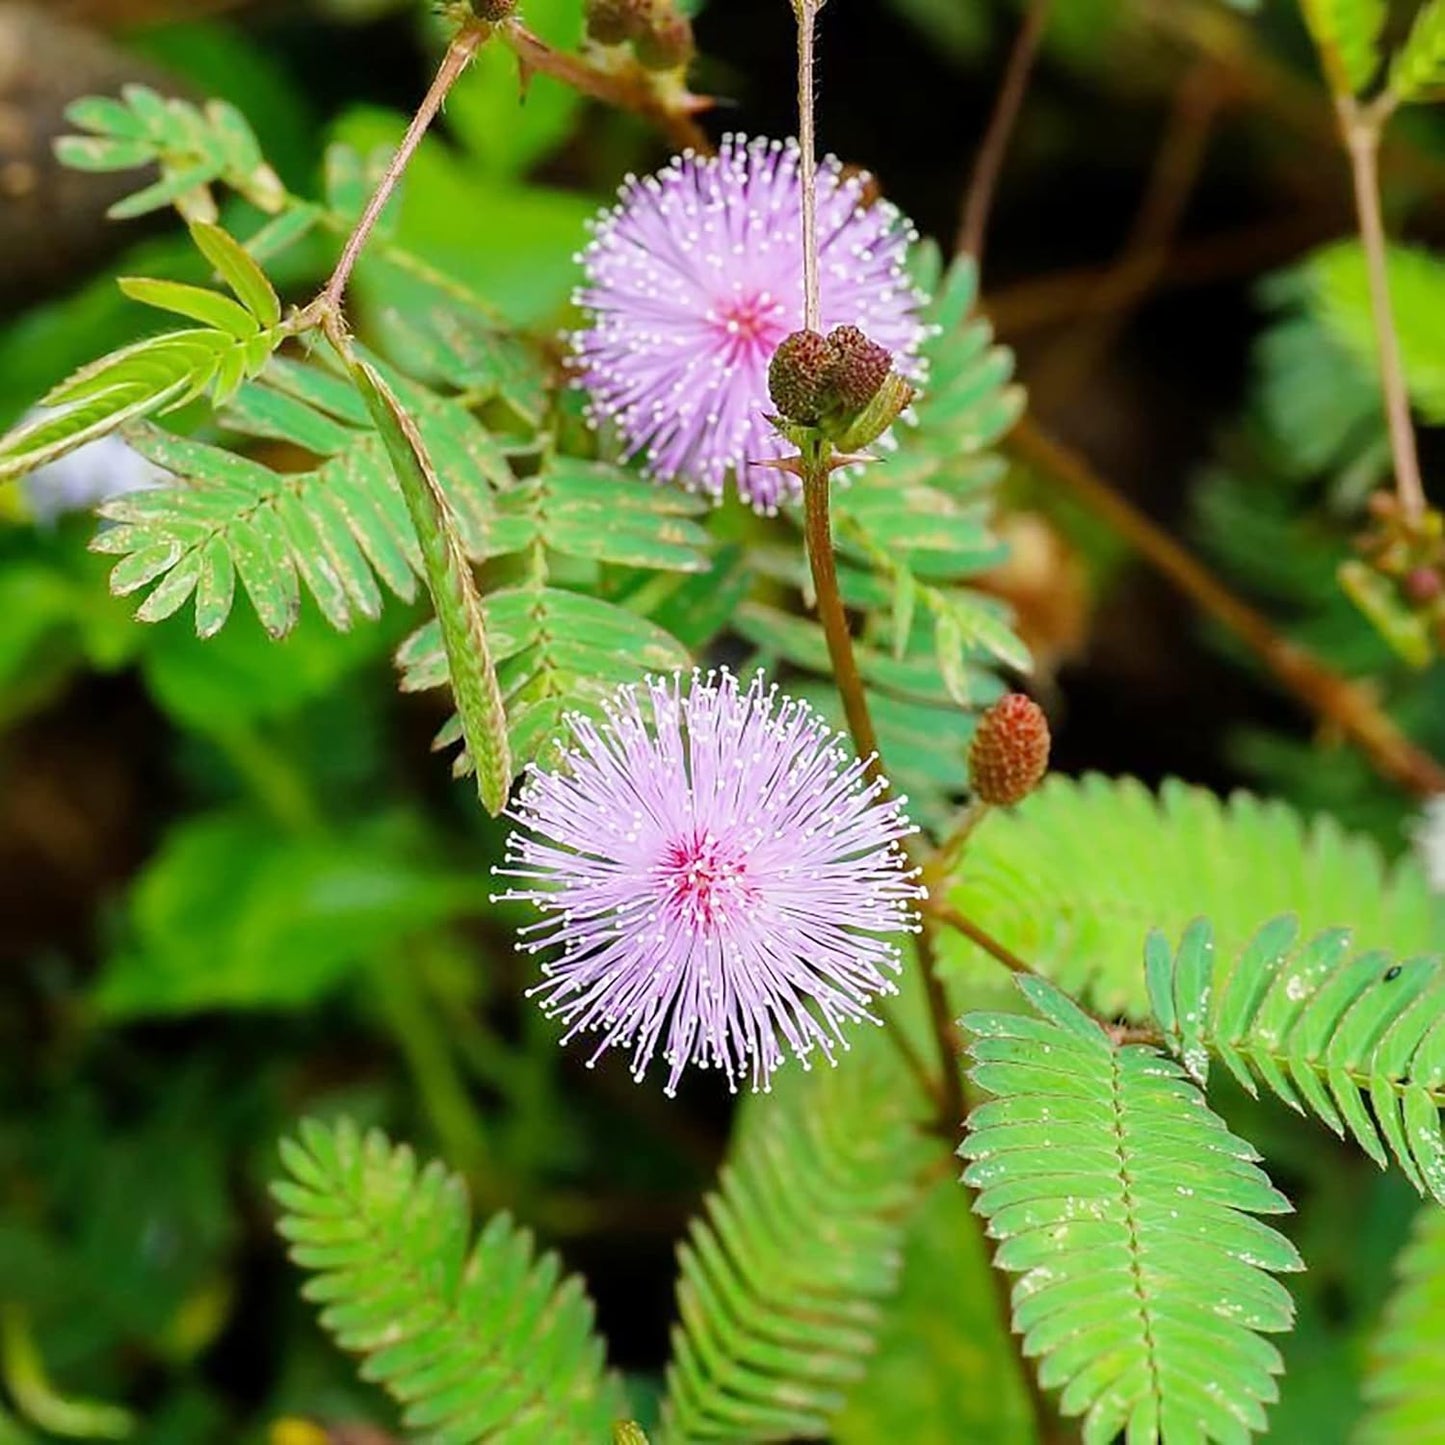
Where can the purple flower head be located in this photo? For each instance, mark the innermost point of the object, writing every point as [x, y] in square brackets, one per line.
[719, 875]
[694, 279]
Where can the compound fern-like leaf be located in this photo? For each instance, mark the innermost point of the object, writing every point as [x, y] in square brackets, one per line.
[479, 1341]
[1404, 1383]
[1081, 870]
[1418, 70]
[193, 147]
[1323, 1027]
[1127, 1208]
[784, 1279]
[556, 652]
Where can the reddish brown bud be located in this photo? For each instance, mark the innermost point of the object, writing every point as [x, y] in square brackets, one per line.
[1423, 585]
[614, 22]
[862, 368]
[494, 11]
[666, 43]
[800, 376]
[1010, 751]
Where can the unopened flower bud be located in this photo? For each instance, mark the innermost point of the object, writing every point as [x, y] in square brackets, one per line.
[667, 43]
[494, 11]
[861, 367]
[614, 22]
[1010, 751]
[800, 376]
[1423, 585]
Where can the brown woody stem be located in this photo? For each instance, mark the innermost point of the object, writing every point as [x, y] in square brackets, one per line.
[1346, 705]
[978, 202]
[1361, 130]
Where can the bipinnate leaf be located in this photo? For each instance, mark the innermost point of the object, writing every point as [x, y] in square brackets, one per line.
[1418, 69]
[453, 589]
[194, 147]
[1082, 869]
[1324, 1027]
[478, 1340]
[785, 1278]
[1347, 34]
[239, 271]
[147, 377]
[1404, 1386]
[1127, 1209]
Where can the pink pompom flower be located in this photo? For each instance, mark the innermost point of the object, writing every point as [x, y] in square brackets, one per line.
[694, 278]
[718, 875]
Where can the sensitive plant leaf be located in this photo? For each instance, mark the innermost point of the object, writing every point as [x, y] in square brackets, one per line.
[1127, 1208]
[453, 589]
[1418, 69]
[1327, 1029]
[339, 530]
[239, 270]
[1338, 293]
[478, 1340]
[1347, 33]
[232, 914]
[784, 1279]
[194, 148]
[556, 652]
[138, 381]
[1076, 874]
[195, 302]
[1404, 1386]
[945, 1369]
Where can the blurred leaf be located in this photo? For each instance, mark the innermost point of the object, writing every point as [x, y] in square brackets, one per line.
[1348, 35]
[229, 914]
[1339, 290]
[961, 31]
[944, 1371]
[1418, 71]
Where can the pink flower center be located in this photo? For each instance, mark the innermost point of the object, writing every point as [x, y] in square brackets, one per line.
[705, 882]
[747, 324]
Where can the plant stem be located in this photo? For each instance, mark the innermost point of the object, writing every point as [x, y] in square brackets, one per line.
[444, 1096]
[1361, 131]
[626, 90]
[807, 12]
[459, 55]
[978, 202]
[1346, 705]
[818, 537]
[947, 913]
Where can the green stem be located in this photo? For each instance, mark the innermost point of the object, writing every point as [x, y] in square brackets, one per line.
[271, 777]
[1361, 131]
[283, 791]
[405, 1008]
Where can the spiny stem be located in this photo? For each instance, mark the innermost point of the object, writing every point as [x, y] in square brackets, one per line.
[807, 12]
[458, 57]
[1361, 130]
[673, 114]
